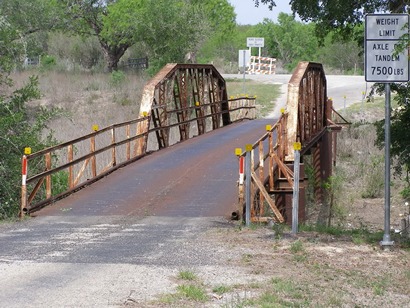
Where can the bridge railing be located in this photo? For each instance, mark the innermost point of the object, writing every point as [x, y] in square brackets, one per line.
[267, 164]
[56, 172]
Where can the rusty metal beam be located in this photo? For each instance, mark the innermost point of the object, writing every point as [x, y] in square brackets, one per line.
[190, 86]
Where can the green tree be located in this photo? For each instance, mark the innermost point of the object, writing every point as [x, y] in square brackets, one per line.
[30, 16]
[220, 24]
[290, 41]
[109, 21]
[31, 22]
[167, 28]
[17, 128]
[170, 29]
[400, 132]
[338, 15]
[345, 56]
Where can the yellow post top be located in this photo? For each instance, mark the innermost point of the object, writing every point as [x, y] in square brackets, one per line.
[282, 110]
[248, 147]
[268, 127]
[27, 151]
[145, 114]
[197, 104]
[95, 128]
[297, 146]
[238, 151]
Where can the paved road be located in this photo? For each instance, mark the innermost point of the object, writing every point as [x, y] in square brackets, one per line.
[344, 90]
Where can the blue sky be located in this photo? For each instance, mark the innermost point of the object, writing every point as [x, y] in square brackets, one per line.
[248, 14]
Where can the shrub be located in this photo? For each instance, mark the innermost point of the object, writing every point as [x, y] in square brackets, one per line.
[17, 131]
[117, 78]
[48, 63]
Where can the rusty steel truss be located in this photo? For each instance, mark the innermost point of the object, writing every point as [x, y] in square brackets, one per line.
[181, 101]
[191, 98]
[309, 119]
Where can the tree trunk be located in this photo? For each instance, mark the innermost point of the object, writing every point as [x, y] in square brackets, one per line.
[112, 55]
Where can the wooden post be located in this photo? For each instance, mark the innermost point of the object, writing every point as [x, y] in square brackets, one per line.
[141, 142]
[128, 145]
[70, 169]
[48, 177]
[93, 158]
[262, 178]
[271, 179]
[113, 149]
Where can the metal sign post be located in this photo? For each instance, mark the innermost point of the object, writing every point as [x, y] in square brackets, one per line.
[386, 242]
[244, 57]
[244, 71]
[295, 202]
[384, 64]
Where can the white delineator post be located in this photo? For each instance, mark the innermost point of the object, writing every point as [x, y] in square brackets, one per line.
[23, 185]
[248, 178]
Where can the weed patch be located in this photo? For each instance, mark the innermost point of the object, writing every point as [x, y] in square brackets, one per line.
[187, 275]
[193, 292]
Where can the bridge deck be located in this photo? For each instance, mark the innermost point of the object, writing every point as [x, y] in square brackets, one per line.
[194, 178]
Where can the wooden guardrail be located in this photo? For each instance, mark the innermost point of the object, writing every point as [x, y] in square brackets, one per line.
[58, 171]
[267, 165]
[69, 166]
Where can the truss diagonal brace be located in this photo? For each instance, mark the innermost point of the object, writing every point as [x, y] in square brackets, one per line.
[267, 197]
[285, 169]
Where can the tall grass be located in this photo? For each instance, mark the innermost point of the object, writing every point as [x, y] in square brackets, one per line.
[86, 99]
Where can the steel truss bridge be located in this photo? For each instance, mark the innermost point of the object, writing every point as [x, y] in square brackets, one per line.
[184, 101]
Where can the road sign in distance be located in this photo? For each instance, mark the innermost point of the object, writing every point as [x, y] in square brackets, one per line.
[255, 42]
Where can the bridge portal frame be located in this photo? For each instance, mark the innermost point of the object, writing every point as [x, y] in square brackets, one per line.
[309, 119]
